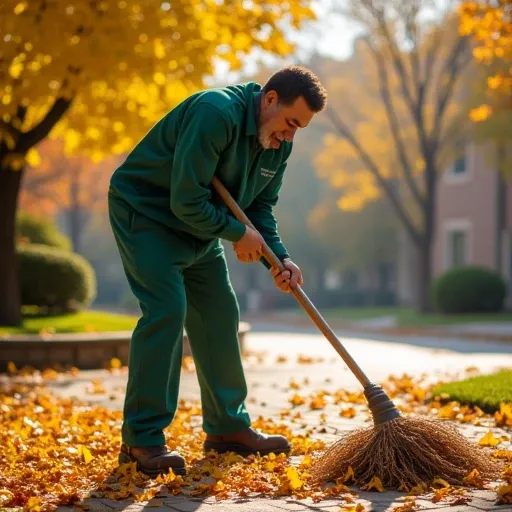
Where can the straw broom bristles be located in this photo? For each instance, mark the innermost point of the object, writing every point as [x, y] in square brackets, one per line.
[404, 452]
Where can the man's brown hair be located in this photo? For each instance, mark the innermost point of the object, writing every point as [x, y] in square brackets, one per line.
[294, 81]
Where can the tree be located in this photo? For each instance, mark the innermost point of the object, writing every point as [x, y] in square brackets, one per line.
[395, 117]
[356, 239]
[489, 23]
[97, 74]
[71, 186]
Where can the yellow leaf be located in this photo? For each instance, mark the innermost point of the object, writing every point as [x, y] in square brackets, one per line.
[440, 494]
[293, 478]
[33, 505]
[349, 412]
[418, 489]
[297, 400]
[349, 475]
[270, 466]
[15, 69]
[353, 508]
[159, 48]
[440, 482]
[159, 78]
[219, 486]
[504, 415]
[11, 367]
[489, 440]
[306, 461]
[86, 454]
[20, 8]
[474, 479]
[505, 493]
[374, 483]
[294, 385]
[115, 363]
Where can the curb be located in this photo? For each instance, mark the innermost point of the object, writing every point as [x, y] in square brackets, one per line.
[438, 332]
[83, 350]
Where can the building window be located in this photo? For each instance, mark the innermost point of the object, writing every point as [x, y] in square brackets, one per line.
[459, 166]
[458, 243]
[459, 169]
[458, 248]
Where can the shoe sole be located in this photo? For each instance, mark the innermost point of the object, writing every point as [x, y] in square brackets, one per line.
[125, 458]
[242, 450]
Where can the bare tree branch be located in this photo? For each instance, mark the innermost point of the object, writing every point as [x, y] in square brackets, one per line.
[10, 129]
[395, 52]
[40, 131]
[452, 67]
[395, 124]
[345, 132]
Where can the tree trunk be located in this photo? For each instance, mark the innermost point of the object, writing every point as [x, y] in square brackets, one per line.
[501, 207]
[75, 227]
[424, 277]
[10, 293]
[425, 242]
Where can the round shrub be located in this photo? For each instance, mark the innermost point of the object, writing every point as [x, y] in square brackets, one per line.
[37, 231]
[470, 289]
[52, 278]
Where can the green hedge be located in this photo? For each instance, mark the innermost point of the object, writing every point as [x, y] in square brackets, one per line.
[37, 231]
[469, 289]
[52, 278]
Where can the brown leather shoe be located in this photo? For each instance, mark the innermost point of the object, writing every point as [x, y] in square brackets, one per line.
[247, 442]
[153, 460]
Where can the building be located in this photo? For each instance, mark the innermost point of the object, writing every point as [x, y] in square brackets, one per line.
[473, 222]
[474, 215]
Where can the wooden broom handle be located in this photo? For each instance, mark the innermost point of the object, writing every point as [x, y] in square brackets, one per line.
[299, 294]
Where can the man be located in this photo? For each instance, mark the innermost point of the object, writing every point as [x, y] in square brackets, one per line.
[168, 224]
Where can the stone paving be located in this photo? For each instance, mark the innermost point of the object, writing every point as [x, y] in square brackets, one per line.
[310, 363]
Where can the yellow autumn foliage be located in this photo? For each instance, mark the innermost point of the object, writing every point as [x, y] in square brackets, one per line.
[490, 26]
[367, 96]
[122, 64]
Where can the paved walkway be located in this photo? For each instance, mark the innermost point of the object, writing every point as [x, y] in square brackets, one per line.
[277, 358]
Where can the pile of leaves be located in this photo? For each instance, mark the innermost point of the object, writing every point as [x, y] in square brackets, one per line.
[60, 451]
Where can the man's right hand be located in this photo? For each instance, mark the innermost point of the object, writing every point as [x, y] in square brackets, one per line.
[250, 247]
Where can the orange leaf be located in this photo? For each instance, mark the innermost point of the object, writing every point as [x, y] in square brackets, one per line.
[374, 483]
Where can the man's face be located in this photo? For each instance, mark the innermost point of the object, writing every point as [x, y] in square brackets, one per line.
[280, 122]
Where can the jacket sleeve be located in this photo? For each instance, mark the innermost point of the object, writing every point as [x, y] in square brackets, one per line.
[260, 213]
[204, 133]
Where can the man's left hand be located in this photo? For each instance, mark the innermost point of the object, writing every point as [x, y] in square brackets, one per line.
[289, 277]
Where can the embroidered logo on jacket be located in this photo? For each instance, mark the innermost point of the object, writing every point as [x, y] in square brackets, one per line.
[268, 173]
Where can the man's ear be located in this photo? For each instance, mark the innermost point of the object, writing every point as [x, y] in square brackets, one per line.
[270, 98]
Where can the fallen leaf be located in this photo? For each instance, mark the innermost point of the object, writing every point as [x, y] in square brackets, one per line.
[408, 507]
[440, 482]
[418, 489]
[504, 493]
[474, 479]
[374, 483]
[348, 412]
[353, 508]
[440, 494]
[489, 440]
[86, 454]
[349, 475]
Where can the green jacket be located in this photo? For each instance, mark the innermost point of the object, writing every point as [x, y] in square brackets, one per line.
[167, 176]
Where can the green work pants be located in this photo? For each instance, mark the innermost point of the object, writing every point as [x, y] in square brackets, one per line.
[179, 281]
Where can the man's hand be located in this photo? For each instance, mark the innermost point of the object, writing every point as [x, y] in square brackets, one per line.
[289, 277]
[250, 247]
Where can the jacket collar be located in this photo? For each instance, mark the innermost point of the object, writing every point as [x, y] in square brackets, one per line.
[253, 110]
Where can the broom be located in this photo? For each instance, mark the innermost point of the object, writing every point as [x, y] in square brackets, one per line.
[401, 451]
